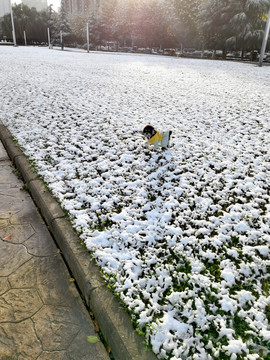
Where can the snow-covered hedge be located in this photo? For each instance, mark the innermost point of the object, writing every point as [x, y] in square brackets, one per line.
[182, 235]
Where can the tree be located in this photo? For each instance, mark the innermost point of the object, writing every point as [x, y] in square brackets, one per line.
[214, 21]
[52, 20]
[124, 27]
[26, 19]
[6, 28]
[185, 21]
[78, 26]
[105, 19]
[151, 28]
[230, 24]
[247, 21]
[62, 31]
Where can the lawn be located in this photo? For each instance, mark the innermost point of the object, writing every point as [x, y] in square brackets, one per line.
[182, 235]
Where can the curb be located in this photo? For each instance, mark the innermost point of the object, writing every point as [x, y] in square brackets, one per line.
[114, 322]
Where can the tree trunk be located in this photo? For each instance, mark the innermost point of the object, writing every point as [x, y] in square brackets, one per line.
[242, 54]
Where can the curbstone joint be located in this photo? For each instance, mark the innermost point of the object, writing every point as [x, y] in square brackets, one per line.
[45, 202]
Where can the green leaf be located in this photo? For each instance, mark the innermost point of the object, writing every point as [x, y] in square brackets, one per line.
[92, 339]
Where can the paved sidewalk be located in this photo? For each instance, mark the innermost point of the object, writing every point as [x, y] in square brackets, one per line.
[42, 316]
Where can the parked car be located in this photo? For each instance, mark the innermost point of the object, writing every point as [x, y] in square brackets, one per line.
[266, 57]
[170, 52]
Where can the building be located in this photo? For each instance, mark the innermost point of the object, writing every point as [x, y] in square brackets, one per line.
[38, 4]
[4, 7]
[73, 7]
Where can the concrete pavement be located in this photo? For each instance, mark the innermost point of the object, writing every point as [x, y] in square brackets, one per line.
[42, 316]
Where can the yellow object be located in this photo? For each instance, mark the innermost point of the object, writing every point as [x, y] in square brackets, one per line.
[157, 137]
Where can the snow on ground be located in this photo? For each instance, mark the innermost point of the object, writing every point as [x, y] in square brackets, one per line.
[182, 235]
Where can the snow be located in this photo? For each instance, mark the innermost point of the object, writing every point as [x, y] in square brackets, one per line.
[235, 347]
[182, 235]
[228, 276]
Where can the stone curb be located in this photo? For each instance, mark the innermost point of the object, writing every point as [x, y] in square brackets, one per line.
[113, 320]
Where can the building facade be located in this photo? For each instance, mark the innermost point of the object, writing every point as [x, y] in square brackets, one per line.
[38, 4]
[4, 7]
[73, 7]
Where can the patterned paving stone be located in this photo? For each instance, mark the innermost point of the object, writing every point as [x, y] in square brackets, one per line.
[20, 340]
[4, 285]
[42, 316]
[25, 276]
[51, 294]
[55, 355]
[27, 211]
[6, 353]
[12, 256]
[23, 302]
[6, 311]
[37, 245]
[3, 222]
[77, 349]
[41, 274]
[10, 204]
[18, 233]
[3, 154]
[4, 215]
[56, 327]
